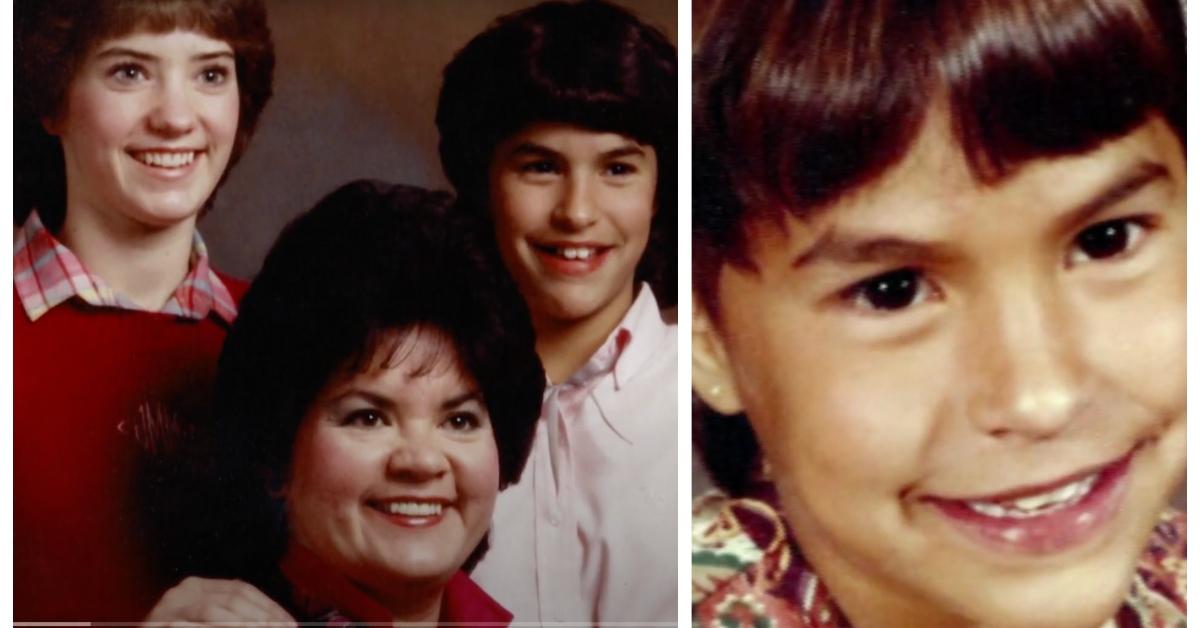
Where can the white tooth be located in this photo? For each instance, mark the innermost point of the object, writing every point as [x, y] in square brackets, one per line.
[1037, 505]
[414, 509]
[585, 253]
[1065, 492]
[987, 509]
[571, 253]
[1033, 502]
[167, 160]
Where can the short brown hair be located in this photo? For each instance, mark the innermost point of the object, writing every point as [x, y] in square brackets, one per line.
[591, 64]
[53, 38]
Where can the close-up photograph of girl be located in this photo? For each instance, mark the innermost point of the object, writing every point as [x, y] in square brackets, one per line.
[938, 334]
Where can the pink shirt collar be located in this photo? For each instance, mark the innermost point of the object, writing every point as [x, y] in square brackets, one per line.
[46, 274]
[628, 347]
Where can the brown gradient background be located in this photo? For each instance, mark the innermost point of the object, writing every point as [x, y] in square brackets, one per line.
[356, 86]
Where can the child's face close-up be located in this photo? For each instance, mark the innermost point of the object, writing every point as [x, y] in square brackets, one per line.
[395, 471]
[147, 126]
[971, 397]
[572, 210]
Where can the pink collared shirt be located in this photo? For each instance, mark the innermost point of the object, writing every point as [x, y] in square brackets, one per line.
[589, 532]
[46, 273]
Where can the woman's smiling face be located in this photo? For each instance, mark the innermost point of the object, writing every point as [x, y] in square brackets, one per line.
[972, 397]
[395, 470]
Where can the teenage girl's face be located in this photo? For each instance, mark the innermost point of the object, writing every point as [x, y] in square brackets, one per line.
[572, 209]
[972, 397]
[147, 127]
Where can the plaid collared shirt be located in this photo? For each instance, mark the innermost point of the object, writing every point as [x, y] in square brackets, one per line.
[748, 570]
[47, 273]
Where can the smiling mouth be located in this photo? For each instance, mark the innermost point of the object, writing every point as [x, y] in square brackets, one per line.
[410, 512]
[165, 159]
[572, 252]
[1037, 504]
[1043, 519]
[410, 509]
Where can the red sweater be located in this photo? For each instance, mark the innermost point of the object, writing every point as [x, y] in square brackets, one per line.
[100, 395]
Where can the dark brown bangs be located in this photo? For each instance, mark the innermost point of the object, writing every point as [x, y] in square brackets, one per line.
[1055, 77]
[798, 102]
[216, 21]
[422, 349]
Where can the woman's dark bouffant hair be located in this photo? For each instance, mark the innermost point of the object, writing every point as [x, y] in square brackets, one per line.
[370, 260]
[53, 37]
[798, 103]
[590, 64]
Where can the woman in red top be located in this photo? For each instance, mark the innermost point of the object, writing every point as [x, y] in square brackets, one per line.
[128, 117]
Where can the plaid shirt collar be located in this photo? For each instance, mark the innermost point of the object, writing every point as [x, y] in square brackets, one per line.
[47, 273]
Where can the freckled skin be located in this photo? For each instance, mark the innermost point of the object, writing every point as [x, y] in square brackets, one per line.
[1020, 358]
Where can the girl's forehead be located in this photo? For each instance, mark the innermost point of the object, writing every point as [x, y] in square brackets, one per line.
[147, 32]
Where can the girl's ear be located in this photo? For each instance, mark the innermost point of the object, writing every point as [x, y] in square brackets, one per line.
[712, 378]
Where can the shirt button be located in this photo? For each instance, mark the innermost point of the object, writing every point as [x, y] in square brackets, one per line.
[553, 520]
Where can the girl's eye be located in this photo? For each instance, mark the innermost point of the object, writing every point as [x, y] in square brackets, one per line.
[539, 167]
[364, 418]
[463, 422]
[620, 169]
[891, 291]
[1107, 239]
[128, 73]
[216, 75]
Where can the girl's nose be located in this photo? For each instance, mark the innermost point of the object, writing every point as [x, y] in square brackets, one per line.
[576, 210]
[172, 112]
[1029, 368]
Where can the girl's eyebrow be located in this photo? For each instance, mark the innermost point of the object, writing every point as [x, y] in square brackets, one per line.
[532, 148]
[1127, 183]
[125, 52]
[119, 51]
[624, 151]
[216, 54]
[535, 150]
[851, 249]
